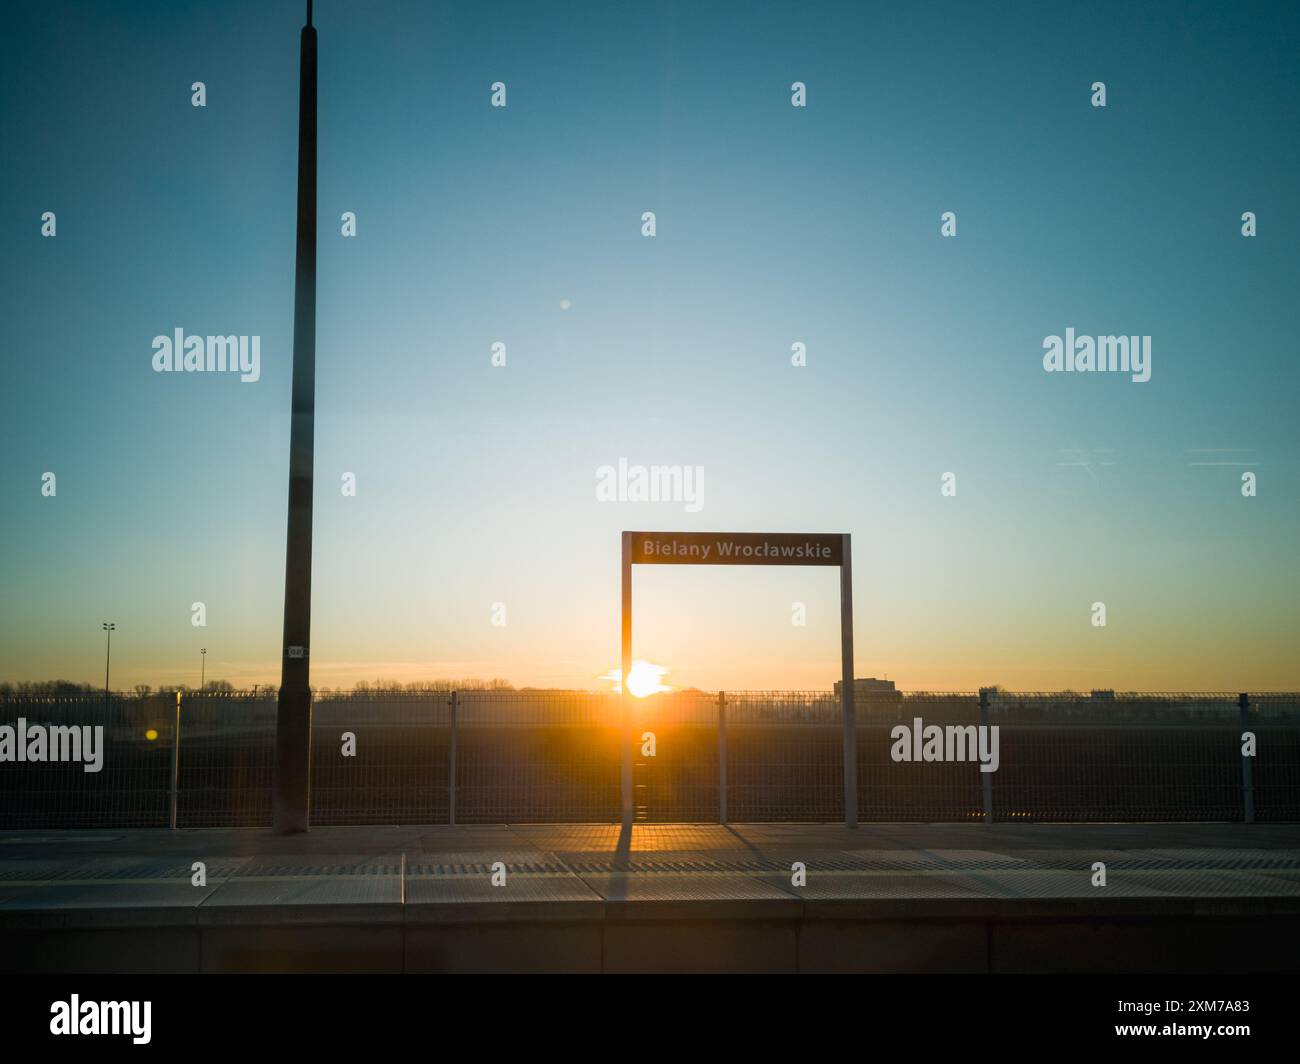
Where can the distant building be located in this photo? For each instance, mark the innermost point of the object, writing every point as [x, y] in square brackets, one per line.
[871, 690]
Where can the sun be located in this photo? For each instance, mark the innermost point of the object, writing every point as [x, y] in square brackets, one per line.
[642, 679]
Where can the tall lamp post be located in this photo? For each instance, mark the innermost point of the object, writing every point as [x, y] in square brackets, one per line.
[290, 807]
[203, 666]
[109, 628]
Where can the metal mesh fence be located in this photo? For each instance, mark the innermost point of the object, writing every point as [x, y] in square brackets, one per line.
[131, 787]
[551, 756]
[784, 756]
[1275, 719]
[675, 757]
[1138, 757]
[227, 760]
[398, 770]
[537, 756]
[915, 789]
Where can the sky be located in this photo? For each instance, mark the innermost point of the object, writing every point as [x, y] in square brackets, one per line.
[774, 225]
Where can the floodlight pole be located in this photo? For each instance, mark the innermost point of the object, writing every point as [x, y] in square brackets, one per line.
[290, 811]
[109, 627]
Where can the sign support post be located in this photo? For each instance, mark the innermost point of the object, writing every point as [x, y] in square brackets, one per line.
[625, 696]
[847, 693]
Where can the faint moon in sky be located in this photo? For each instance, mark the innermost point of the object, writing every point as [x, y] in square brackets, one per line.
[565, 304]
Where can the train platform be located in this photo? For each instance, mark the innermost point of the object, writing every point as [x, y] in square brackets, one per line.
[1133, 898]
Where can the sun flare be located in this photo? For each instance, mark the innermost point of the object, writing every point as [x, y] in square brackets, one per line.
[642, 679]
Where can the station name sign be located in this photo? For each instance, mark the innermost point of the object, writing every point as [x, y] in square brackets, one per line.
[736, 548]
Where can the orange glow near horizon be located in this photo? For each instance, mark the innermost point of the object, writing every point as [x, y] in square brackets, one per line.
[643, 679]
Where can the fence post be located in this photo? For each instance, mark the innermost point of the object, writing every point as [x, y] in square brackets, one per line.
[451, 763]
[722, 757]
[986, 778]
[1247, 768]
[174, 793]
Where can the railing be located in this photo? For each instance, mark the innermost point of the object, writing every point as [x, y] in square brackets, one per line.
[493, 756]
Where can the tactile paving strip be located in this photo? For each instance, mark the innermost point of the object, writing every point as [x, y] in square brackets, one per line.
[109, 870]
[318, 871]
[108, 884]
[516, 889]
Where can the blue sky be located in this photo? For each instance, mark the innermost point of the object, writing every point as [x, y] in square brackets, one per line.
[775, 224]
